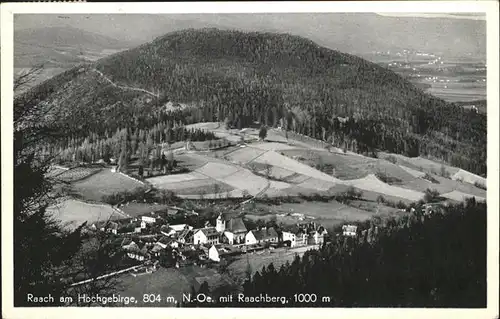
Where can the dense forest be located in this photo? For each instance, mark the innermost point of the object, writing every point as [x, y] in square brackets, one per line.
[436, 260]
[276, 79]
[123, 145]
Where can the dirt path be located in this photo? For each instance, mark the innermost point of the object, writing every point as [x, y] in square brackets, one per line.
[124, 87]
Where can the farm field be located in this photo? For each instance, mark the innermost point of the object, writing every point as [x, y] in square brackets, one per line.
[206, 186]
[137, 209]
[104, 183]
[72, 174]
[74, 212]
[276, 159]
[420, 163]
[331, 209]
[158, 181]
[245, 155]
[277, 172]
[372, 183]
[459, 196]
[468, 177]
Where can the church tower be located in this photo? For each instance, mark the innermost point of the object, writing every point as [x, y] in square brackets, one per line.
[220, 225]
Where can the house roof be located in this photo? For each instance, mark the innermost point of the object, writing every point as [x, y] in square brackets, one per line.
[265, 233]
[209, 231]
[236, 225]
[165, 240]
[156, 248]
[179, 227]
[126, 241]
[166, 228]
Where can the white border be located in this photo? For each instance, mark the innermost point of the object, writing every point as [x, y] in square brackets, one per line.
[491, 9]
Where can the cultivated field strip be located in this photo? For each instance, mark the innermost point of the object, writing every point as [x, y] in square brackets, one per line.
[459, 196]
[273, 158]
[469, 177]
[412, 171]
[372, 183]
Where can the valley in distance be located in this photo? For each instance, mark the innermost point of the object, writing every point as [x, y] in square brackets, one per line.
[224, 168]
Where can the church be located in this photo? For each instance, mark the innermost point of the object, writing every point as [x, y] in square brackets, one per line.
[233, 230]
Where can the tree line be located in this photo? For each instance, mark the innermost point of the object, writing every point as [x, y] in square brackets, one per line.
[436, 260]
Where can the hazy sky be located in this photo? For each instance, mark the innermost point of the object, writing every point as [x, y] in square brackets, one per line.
[348, 32]
[461, 15]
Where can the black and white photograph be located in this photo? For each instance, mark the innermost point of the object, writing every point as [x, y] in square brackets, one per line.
[318, 159]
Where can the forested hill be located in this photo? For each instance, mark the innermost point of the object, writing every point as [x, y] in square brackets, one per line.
[277, 79]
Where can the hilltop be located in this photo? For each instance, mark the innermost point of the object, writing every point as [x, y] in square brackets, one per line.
[276, 79]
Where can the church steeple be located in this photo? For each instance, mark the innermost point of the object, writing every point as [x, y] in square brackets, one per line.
[220, 225]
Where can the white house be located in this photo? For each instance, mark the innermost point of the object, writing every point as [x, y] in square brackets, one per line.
[349, 230]
[148, 219]
[213, 254]
[207, 235]
[261, 236]
[167, 230]
[289, 236]
[230, 237]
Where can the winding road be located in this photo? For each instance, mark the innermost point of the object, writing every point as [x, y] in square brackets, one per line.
[124, 87]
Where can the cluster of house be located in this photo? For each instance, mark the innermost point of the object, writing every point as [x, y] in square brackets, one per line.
[147, 237]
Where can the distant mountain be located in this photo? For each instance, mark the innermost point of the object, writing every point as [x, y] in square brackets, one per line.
[61, 46]
[355, 33]
[271, 78]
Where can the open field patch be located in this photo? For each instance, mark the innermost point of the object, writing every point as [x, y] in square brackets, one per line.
[276, 159]
[245, 155]
[412, 171]
[468, 177]
[420, 163]
[343, 166]
[372, 183]
[75, 212]
[189, 162]
[296, 178]
[272, 146]
[206, 186]
[104, 183]
[166, 180]
[217, 170]
[317, 184]
[246, 180]
[277, 172]
[331, 209]
[138, 209]
[459, 196]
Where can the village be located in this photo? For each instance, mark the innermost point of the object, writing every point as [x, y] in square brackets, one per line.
[152, 241]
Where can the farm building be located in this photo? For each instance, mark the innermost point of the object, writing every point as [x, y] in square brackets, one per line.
[261, 236]
[148, 219]
[167, 230]
[207, 235]
[349, 230]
